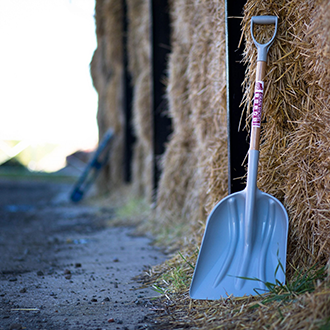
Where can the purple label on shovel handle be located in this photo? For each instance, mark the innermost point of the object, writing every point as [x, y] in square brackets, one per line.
[257, 105]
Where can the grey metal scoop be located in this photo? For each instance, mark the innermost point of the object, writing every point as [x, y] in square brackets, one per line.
[246, 233]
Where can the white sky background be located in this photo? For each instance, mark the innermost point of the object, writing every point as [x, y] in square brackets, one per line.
[46, 92]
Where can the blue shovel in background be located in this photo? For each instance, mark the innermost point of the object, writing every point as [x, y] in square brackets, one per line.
[245, 240]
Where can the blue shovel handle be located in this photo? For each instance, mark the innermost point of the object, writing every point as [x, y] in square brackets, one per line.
[263, 48]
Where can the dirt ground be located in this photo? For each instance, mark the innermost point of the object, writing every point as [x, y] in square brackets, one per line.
[63, 267]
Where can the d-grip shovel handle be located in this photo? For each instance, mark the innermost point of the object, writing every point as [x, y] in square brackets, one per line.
[263, 48]
[260, 75]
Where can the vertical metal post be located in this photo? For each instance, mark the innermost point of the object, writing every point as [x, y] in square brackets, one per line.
[127, 100]
[237, 139]
[160, 49]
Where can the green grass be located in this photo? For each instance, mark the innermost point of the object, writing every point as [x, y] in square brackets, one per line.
[300, 283]
[24, 174]
[172, 281]
[176, 278]
[133, 208]
[187, 262]
[170, 236]
[326, 324]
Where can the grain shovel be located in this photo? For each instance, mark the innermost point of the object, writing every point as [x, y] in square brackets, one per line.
[245, 239]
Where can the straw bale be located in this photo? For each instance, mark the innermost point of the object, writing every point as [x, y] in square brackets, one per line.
[308, 311]
[197, 150]
[304, 303]
[181, 181]
[140, 69]
[207, 96]
[294, 160]
[142, 172]
[179, 160]
[107, 72]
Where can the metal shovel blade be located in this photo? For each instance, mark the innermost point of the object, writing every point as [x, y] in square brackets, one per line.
[228, 261]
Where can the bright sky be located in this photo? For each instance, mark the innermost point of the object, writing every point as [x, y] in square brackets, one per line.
[46, 93]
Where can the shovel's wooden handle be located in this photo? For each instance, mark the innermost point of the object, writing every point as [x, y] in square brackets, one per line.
[257, 105]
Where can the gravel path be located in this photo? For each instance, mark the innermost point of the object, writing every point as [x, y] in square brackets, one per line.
[62, 267]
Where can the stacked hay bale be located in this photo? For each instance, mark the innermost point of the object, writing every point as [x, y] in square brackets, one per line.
[195, 162]
[294, 160]
[139, 50]
[107, 73]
